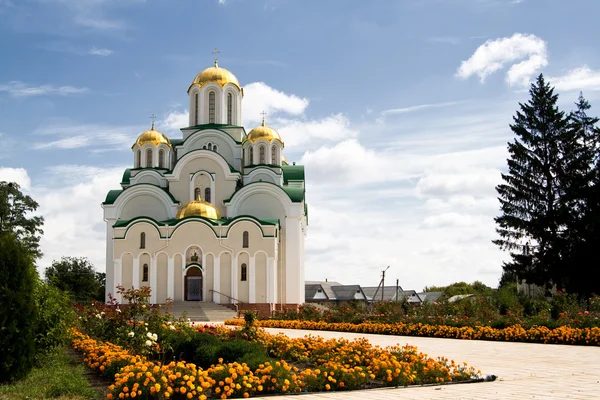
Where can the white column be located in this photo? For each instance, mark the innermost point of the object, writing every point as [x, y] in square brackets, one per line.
[234, 277]
[271, 286]
[171, 278]
[117, 279]
[217, 279]
[252, 280]
[136, 273]
[153, 278]
[293, 273]
[110, 278]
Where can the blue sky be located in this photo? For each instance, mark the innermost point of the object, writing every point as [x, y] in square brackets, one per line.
[398, 109]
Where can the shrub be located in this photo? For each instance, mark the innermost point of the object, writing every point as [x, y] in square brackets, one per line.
[55, 317]
[18, 310]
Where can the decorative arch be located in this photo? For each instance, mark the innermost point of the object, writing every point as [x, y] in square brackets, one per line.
[238, 198]
[161, 158]
[261, 154]
[148, 158]
[229, 108]
[245, 240]
[196, 190]
[170, 204]
[192, 155]
[212, 107]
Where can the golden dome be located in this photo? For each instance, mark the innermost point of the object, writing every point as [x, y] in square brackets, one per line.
[283, 160]
[215, 74]
[198, 208]
[153, 137]
[263, 132]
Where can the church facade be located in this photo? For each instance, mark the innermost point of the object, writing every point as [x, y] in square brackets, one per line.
[216, 215]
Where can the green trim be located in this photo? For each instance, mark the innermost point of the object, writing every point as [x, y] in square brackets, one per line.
[163, 170]
[176, 142]
[193, 264]
[112, 195]
[262, 166]
[292, 173]
[209, 222]
[231, 169]
[296, 194]
[126, 177]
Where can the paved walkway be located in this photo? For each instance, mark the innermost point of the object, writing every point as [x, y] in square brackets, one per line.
[524, 370]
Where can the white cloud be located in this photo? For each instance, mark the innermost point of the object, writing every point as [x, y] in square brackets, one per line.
[419, 107]
[259, 97]
[100, 52]
[174, 121]
[99, 137]
[525, 54]
[18, 175]
[577, 79]
[453, 220]
[296, 132]
[20, 89]
[221, 2]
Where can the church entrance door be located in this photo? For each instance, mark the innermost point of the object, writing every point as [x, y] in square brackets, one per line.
[193, 284]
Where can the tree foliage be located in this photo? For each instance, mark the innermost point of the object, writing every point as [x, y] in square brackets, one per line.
[548, 198]
[15, 210]
[477, 288]
[76, 276]
[18, 309]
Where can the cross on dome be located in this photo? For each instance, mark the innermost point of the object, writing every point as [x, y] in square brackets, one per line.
[263, 113]
[215, 53]
[153, 117]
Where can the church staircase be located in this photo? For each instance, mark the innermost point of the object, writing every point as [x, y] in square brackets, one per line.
[198, 311]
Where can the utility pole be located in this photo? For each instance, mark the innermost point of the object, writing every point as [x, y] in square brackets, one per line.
[383, 281]
[397, 284]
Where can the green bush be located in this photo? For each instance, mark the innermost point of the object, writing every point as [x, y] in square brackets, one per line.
[18, 309]
[55, 316]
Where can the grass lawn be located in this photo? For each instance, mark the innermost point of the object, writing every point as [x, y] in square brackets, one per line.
[59, 376]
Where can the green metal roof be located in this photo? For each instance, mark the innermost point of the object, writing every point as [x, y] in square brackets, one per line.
[126, 176]
[296, 194]
[176, 142]
[112, 195]
[292, 173]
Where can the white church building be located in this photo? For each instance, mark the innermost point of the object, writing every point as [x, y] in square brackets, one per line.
[216, 215]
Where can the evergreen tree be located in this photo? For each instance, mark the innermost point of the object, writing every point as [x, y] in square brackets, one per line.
[580, 182]
[531, 224]
[19, 247]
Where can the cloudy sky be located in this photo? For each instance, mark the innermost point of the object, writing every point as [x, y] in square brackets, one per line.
[398, 109]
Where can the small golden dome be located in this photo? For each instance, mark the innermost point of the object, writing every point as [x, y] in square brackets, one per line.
[263, 132]
[153, 137]
[283, 160]
[215, 74]
[198, 208]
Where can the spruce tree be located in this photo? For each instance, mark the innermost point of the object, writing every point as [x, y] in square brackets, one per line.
[580, 180]
[531, 224]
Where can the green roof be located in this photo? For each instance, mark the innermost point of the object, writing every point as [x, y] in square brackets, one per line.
[292, 173]
[176, 142]
[126, 176]
[296, 194]
[223, 221]
[112, 195]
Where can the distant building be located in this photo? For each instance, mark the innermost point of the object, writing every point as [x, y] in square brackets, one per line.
[332, 293]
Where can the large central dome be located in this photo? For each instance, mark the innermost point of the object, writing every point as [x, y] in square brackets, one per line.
[215, 74]
[198, 208]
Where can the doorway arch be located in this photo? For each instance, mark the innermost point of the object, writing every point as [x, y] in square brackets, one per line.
[193, 284]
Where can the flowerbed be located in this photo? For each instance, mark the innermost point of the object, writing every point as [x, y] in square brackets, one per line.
[515, 333]
[313, 364]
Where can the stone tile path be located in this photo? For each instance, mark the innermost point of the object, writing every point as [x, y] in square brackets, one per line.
[524, 370]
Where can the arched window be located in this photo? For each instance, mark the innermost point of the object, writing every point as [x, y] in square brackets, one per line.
[143, 240]
[215, 147]
[207, 195]
[197, 114]
[245, 239]
[204, 147]
[161, 159]
[229, 106]
[145, 273]
[148, 158]
[261, 155]
[244, 273]
[138, 162]
[210, 146]
[273, 155]
[211, 108]
[251, 157]
[197, 192]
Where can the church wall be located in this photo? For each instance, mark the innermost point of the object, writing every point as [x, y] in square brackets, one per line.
[243, 286]
[144, 205]
[161, 281]
[132, 240]
[281, 277]
[293, 262]
[203, 181]
[178, 270]
[153, 180]
[262, 205]
[225, 277]
[256, 241]
[127, 271]
[204, 138]
[223, 188]
[264, 178]
[209, 276]
[193, 232]
[260, 276]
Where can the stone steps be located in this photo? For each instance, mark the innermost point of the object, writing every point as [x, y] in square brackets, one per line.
[198, 311]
